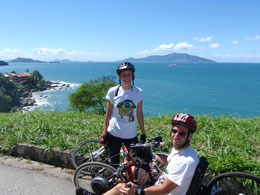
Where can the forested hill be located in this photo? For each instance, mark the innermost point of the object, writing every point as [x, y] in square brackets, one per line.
[3, 63]
[171, 58]
[26, 60]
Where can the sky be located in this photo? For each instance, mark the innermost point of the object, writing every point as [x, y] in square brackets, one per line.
[110, 30]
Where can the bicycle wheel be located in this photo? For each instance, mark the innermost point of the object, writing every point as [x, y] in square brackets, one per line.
[87, 171]
[159, 164]
[235, 183]
[89, 151]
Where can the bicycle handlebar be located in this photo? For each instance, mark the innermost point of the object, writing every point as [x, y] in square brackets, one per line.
[156, 141]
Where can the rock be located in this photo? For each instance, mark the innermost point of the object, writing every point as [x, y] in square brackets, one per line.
[29, 102]
[57, 158]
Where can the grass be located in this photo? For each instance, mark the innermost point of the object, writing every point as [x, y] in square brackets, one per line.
[229, 143]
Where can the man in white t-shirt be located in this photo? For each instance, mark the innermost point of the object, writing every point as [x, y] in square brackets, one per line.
[181, 163]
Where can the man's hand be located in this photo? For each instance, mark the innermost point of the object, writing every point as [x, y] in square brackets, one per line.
[143, 138]
[128, 189]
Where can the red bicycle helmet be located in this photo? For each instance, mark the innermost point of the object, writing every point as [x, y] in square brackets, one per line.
[185, 120]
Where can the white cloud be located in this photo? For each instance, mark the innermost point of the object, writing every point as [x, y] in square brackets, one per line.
[168, 47]
[203, 39]
[253, 38]
[146, 52]
[214, 45]
[8, 54]
[44, 51]
[165, 47]
[162, 47]
[183, 45]
[10, 51]
[235, 42]
[227, 57]
[46, 54]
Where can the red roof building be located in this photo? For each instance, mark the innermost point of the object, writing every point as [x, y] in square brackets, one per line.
[17, 76]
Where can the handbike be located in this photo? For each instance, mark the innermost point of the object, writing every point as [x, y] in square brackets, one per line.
[229, 183]
[93, 151]
[99, 177]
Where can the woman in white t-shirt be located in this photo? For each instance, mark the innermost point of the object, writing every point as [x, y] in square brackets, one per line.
[124, 109]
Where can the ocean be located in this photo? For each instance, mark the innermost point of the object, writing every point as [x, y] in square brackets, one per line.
[197, 88]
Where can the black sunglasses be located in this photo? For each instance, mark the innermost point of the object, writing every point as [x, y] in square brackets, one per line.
[181, 133]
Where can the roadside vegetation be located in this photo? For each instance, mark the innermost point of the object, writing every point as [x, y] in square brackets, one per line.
[229, 143]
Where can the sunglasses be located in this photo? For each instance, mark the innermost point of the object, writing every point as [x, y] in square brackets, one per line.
[181, 133]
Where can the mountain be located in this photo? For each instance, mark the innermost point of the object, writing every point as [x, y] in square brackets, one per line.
[3, 63]
[26, 60]
[171, 58]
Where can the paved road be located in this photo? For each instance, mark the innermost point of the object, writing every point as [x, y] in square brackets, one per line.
[23, 177]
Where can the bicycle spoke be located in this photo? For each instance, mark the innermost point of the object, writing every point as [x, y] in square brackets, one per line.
[89, 151]
[86, 172]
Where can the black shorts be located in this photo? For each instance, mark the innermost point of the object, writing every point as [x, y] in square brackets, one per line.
[114, 146]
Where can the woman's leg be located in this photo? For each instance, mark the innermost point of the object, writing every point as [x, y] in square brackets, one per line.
[114, 146]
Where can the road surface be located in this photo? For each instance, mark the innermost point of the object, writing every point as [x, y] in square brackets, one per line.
[24, 177]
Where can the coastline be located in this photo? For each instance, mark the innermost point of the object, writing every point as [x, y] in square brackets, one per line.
[32, 98]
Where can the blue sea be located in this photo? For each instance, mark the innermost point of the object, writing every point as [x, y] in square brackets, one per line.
[197, 88]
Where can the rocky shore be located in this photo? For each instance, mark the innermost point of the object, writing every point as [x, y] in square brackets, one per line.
[26, 99]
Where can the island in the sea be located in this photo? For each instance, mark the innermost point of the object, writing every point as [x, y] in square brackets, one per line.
[29, 60]
[25, 60]
[3, 63]
[170, 58]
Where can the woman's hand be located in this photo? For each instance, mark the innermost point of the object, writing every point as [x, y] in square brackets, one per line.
[143, 138]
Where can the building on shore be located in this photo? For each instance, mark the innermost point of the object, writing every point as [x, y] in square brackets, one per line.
[17, 77]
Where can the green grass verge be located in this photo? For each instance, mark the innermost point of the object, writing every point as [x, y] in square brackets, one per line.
[229, 143]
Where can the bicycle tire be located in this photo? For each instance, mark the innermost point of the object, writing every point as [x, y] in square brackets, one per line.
[89, 151]
[87, 171]
[234, 183]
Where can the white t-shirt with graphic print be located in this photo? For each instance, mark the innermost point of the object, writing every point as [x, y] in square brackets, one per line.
[122, 123]
[180, 169]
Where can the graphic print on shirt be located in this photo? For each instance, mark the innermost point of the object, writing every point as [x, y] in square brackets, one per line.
[126, 108]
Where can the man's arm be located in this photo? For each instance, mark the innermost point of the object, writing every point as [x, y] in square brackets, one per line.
[165, 188]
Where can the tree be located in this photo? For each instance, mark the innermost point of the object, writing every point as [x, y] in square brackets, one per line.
[36, 75]
[36, 79]
[9, 95]
[91, 95]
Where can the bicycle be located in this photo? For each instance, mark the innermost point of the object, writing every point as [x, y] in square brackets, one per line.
[226, 183]
[93, 151]
[89, 174]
